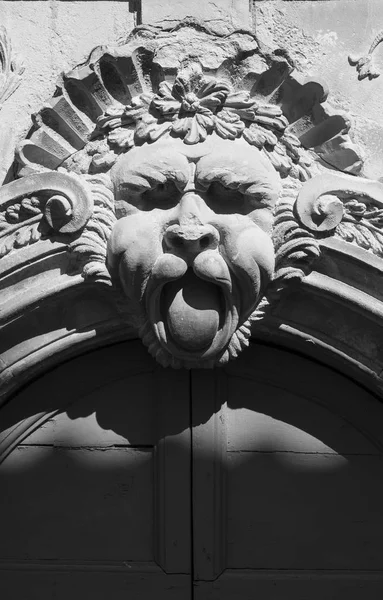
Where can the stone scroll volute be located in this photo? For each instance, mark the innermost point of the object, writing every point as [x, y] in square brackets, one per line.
[189, 150]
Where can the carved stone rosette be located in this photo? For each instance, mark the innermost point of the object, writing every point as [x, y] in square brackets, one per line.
[190, 171]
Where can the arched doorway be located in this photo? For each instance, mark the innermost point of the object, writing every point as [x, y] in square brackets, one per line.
[123, 478]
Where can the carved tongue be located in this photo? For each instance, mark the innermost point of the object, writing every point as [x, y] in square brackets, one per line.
[192, 308]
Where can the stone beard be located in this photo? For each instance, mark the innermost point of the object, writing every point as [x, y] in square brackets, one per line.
[192, 247]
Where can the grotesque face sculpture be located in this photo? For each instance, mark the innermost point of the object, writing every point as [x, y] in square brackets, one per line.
[193, 251]
[182, 137]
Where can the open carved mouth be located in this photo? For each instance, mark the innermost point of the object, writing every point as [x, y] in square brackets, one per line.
[193, 317]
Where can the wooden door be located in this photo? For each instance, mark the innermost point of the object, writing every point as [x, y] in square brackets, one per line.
[287, 482]
[95, 484]
[280, 459]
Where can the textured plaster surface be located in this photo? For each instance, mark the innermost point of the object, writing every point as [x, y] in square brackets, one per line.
[320, 35]
[235, 12]
[52, 37]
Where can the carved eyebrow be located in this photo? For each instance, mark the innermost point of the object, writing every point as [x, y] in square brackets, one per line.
[247, 172]
[146, 167]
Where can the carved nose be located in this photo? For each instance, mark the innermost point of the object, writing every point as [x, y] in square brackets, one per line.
[191, 240]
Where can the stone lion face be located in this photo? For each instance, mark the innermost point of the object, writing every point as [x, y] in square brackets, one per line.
[192, 249]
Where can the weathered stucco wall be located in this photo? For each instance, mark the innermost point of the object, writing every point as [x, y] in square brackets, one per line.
[234, 11]
[320, 35]
[52, 36]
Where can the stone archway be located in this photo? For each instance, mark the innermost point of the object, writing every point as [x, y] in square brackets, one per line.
[181, 191]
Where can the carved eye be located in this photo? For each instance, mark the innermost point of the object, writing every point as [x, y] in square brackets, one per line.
[164, 195]
[151, 194]
[225, 200]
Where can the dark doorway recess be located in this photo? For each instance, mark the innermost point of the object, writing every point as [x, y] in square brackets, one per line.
[123, 479]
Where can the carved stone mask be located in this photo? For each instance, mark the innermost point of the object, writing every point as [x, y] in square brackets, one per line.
[194, 252]
[171, 151]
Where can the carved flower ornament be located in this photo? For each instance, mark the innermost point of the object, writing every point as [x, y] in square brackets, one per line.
[192, 166]
[192, 108]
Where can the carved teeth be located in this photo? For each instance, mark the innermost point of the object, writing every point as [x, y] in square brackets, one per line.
[245, 329]
[235, 344]
[225, 357]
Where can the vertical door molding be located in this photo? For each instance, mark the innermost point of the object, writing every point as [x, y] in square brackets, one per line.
[208, 397]
[172, 473]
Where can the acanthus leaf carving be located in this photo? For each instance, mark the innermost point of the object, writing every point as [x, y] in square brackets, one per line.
[365, 64]
[34, 206]
[348, 207]
[362, 224]
[296, 248]
[91, 246]
[11, 69]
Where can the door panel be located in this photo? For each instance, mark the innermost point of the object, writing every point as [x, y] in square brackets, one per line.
[74, 504]
[294, 585]
[140, 581]
[96, 496]
[287, 504]
[98, 479]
